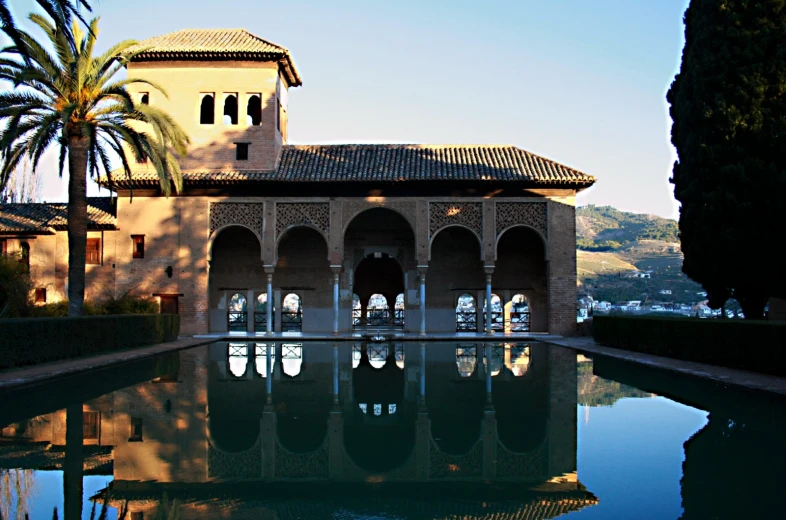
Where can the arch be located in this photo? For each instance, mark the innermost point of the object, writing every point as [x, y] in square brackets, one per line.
[523, 268]
[291, 313]
[377, 310]
[254, 110]
[399, 309]
[237, 354]
[260, 312]
[218, 231]
[207, 110]
[497, 312]
[466, 359]
[237, 313]
[542, 238]
[230, 109]
[517, 314]
[293, 227]
[518, 357]
[466, 313]
[372, 207]
[440, 230]
[291, 358]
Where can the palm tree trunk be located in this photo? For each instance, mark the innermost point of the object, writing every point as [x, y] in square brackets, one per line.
[77, 223]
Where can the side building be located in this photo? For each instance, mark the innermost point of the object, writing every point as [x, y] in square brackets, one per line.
[334, 237]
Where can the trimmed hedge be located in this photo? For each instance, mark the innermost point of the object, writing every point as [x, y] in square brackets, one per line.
[757, 346]
[29, 341]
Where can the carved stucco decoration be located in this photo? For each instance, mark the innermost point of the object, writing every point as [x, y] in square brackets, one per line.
[443, 465]
[301, 465]
[312, 214]
[532, 464]
[467, 214]
[221, 464]
[247, 214]
[532, 214]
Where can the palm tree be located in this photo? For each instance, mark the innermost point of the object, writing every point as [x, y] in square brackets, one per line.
[61, 11]
[71, 100]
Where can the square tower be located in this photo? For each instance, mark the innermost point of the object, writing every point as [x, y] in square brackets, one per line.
[227, 88]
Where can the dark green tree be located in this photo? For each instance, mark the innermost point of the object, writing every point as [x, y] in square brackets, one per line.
[728, 104]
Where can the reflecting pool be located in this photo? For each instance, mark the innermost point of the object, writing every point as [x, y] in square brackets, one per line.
[389, 431]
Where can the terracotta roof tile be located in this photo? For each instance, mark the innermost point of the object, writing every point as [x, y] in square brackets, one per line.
[43, 217]
[218, 44]
[494, 164]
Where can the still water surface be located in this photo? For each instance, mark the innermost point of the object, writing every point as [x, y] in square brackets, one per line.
[389, 431]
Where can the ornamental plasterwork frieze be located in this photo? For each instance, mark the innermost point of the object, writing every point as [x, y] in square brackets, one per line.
[221, 464]
[467, 214]
[249, 214]
[302, 465]
[443, 465]
[522, 465]
[313, 214]
[532, 214]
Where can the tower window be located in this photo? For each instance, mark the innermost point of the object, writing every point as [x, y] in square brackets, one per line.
[138, 250]
[144, 98]
[25, 260]
[40, 295]
[241, 151]
[207, 110]
[230, 109]
[254, 110]
[136, 430]
[93, 253]
[3, 246]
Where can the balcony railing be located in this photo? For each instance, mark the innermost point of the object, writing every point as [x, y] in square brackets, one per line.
[291, 321]
[398, 318]
[497, 320]
[466, 321]
[260, 321]
[519, 321]
[237, 321]
[378, 317]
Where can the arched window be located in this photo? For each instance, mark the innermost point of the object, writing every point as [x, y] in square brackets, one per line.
[236, 313]
[357, 312]
[497, 317]
[517, 358]
[25, 259]
[260, 358]
[207, 110]
[254, 110]
[466, 314]
[291, 314]
[466, 359]
[292, 358]
[517, 314]
[260, 313]
[377, 354]
[357, 353]
[398, 316]
[238, 359]
[378, 313]
[230, 109]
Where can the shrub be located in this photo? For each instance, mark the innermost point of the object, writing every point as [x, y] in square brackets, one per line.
[15, 286]
[758, 346]
[28, 341]
[124, 305]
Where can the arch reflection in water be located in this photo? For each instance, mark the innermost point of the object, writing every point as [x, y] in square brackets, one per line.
[292, 358]
[238, 358]
[260, 358]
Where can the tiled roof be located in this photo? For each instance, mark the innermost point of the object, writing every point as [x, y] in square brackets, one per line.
[493, 164]
[43, 217]
[218, 44]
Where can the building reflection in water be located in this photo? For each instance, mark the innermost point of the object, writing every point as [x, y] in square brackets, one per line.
[440, 429]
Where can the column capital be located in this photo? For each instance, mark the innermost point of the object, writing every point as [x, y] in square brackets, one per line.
[269, 269]
[422, 268]
[336, 269]
[489, 269]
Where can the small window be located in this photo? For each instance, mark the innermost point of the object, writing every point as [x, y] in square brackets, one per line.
[138, 245]
[90, 425]
[144, 98]
[207, 110]
[241, 151]
[136, 430]
[25, 259]
[254, 110]
[40, 295]
[3, 246]
[230, 109]
[93, 251]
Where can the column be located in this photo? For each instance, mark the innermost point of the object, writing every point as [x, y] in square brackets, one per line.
[487, 354]
[269, 306]
[251, 307]
[422, 375]
[489, 271]
[335, 375]
[422, 273]
[269, 349]
[336, 272]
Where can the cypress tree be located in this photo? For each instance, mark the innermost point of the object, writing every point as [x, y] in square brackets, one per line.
[728, 105]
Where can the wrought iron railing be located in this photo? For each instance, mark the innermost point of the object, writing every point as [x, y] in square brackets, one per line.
[466, 321]
[357, 317]
[378, 317]
[519, 321]
[497, 320]
[237, 320]
[291, 321]
[398, 318]
[260, 321]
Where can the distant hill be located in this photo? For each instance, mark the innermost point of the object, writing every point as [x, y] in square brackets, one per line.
[612, 244]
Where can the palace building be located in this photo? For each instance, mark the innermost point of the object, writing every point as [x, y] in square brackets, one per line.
[267, 236]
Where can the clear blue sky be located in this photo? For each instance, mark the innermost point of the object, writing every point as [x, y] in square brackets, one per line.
[580, 81]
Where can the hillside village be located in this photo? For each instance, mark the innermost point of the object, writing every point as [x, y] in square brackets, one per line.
[632, 263]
